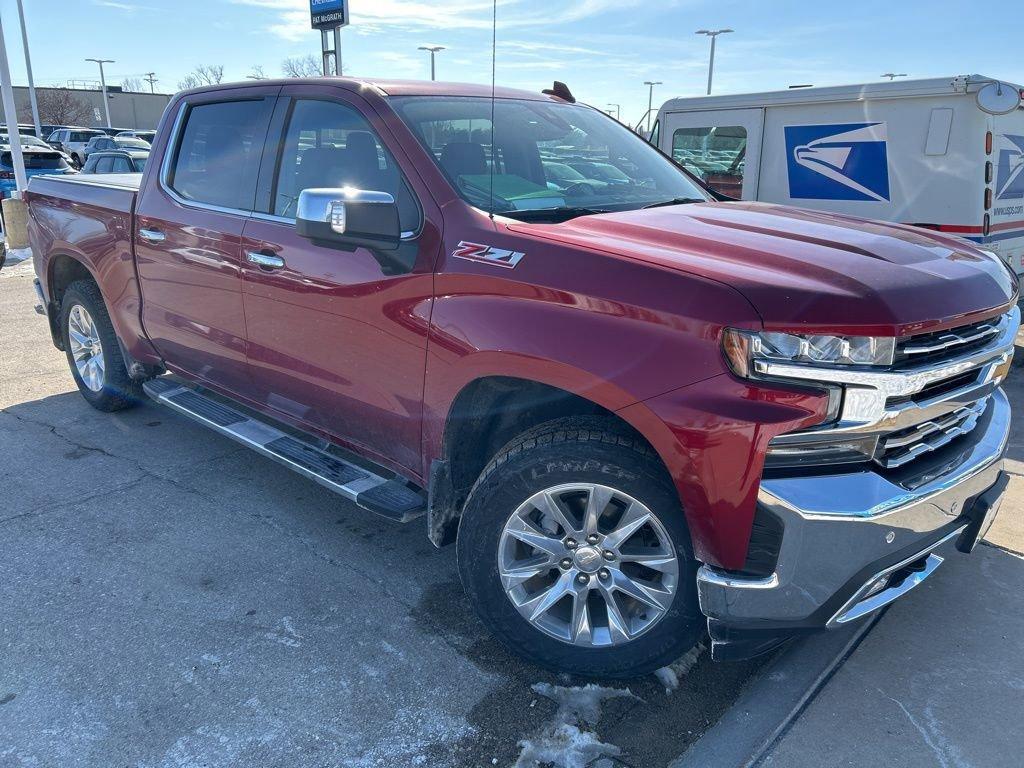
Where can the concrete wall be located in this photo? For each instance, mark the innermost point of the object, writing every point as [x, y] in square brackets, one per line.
[127, 110]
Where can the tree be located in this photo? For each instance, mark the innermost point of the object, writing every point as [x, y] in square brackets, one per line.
[132, 84]
[208, 74]
[302, 66]
[256, 73]
[59, 106]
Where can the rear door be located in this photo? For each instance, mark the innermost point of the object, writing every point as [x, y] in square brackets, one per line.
[337, 338]
[721, 147]
[189, 224]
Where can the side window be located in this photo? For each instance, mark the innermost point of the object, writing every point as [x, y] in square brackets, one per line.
[105, 165]
[328, 144]
[90, 165]
[656, 133]
[218, 153]
[121, 165]
[714, 154]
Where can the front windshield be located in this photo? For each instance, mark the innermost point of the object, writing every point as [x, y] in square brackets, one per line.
[546, 157]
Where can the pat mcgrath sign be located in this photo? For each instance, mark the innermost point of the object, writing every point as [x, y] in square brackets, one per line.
[327, 14]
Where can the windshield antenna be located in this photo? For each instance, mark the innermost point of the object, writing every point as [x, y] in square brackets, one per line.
[494, 64]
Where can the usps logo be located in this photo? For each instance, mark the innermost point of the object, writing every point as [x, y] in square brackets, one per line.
[1010, 168]
[847, 161]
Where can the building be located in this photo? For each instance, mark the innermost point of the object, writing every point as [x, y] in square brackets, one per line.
[132, 110]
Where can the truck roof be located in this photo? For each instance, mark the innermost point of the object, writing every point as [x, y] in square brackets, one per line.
[936, 86]
[393, 87]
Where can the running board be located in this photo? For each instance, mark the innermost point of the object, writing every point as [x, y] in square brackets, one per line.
[392, 499]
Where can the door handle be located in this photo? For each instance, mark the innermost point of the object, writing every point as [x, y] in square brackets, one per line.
[152, 235]
[264, 260]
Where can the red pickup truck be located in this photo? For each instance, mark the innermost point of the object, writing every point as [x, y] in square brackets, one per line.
[641, 413]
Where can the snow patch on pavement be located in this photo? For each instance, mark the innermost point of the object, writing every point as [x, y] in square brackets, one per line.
[569, 741]
[680, 668]
[18, 255]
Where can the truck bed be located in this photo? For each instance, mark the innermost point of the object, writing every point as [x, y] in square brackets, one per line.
[113, 191]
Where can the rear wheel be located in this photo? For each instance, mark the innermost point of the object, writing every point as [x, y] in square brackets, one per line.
[573, 550]
[93, 353]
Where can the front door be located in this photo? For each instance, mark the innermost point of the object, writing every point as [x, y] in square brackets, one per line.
[721, 147]
[337, 338]
[188, 234]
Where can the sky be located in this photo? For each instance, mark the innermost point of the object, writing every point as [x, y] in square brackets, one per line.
[603, 49]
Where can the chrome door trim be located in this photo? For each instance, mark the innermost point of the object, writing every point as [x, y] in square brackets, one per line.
[264, 260]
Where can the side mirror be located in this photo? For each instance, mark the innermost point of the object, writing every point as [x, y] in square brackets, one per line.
[347, 216]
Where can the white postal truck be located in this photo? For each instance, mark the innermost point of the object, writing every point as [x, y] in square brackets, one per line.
[946, 153]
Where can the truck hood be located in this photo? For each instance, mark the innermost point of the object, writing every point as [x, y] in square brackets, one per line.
[803, 269]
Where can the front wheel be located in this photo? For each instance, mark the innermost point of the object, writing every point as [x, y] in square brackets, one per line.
[93, 353]
[573, 550]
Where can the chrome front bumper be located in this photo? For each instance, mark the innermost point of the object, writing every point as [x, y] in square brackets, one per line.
[845, 534]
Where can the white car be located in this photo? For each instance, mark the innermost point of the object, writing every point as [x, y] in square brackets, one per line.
[72, 141]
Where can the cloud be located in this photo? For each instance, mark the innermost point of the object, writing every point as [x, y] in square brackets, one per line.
[119, 6]
[292, 22]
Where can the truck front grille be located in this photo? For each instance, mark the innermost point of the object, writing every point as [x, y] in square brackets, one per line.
[902, 447]
[937, 346]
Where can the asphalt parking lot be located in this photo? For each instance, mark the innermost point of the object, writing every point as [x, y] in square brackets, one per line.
[170, 599]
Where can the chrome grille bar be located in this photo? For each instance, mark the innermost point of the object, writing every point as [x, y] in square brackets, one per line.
[954, 338]
[903, 447]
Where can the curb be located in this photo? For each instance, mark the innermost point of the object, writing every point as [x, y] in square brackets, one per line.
[774, 700]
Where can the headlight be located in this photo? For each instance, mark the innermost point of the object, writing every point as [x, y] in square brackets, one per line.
[743, 349]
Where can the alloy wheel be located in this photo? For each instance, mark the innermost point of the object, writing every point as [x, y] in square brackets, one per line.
[588, 564]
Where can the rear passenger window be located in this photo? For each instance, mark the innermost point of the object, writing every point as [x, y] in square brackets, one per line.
[716, 155]
[105, 165]
[218, 153]
[331, 145]
[121, 165]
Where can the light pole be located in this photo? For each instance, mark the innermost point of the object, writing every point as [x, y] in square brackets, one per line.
[650, 100]
[150, 78]
[892, 75]
[618, 111]
[103, 85]
[433, 49]
[28, 70]
[712, 33]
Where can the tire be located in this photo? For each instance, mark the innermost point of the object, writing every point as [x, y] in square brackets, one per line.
[113, 390]
[585, 452]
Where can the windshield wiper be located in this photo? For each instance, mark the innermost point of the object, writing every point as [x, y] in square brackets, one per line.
[554, 215]
[675, 201]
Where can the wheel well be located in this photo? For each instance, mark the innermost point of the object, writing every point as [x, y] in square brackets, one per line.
[64, 271]
[486, 415]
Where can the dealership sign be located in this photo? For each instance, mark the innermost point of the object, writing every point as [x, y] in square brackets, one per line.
[327, 14]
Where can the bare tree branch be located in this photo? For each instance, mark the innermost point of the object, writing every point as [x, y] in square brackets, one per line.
[256, 73]
[302, 66]
[59, 106]
[207, 74]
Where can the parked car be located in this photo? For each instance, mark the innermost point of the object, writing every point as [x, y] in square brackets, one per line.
[105, 143]
[146, 136]
[73, 141]
[39, 160]
[116, 161]
[30, 142]
[944, 153]
[639, 413]
[112, 131]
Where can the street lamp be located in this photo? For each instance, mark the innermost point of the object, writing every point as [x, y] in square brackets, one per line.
[712, 33]
[892, 75]
[433, 49]
[103, 85]
[618, 111]
[650, 101]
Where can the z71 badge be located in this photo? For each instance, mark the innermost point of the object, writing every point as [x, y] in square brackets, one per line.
[487, 254]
